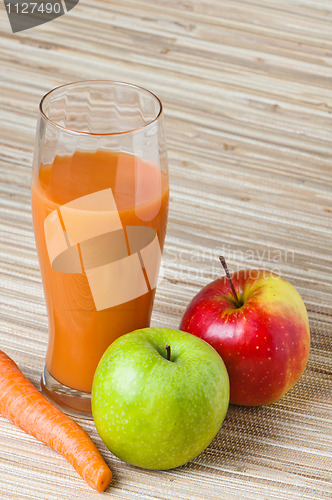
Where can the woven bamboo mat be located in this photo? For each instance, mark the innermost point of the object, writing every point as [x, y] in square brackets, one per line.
[247, 91]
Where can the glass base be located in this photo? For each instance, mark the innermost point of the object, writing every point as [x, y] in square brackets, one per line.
[72, 402]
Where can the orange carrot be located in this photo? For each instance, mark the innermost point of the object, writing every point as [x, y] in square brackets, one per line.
[27, 408]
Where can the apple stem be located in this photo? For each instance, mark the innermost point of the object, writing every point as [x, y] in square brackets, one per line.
[168, 350]
[224, 265]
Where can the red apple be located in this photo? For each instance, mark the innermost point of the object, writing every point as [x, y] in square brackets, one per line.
[258, 323]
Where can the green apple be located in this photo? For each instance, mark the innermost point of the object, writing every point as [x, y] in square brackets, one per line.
[159, 397]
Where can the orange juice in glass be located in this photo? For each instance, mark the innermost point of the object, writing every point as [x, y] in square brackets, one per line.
[99, 194]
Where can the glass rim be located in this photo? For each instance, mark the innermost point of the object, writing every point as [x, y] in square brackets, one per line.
[116, 82]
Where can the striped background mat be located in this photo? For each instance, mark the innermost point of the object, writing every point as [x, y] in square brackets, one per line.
[247, 91]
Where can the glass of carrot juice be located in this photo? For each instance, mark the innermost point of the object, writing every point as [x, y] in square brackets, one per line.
[100, 192]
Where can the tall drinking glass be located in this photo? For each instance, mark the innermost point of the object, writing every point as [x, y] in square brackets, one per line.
[100, 192]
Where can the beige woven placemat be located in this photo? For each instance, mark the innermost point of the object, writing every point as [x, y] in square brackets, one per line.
[247, 89]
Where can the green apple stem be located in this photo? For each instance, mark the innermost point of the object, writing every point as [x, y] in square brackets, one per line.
[236, 298]
[168, 350]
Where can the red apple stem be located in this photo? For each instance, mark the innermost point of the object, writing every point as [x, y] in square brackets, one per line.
[168, 350]
[236, 298]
